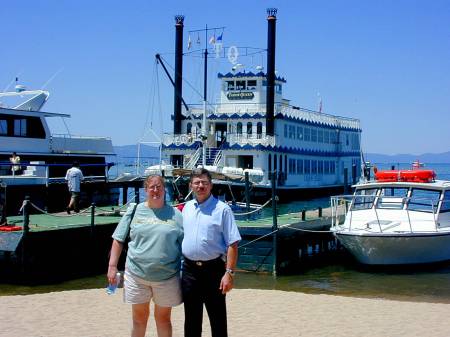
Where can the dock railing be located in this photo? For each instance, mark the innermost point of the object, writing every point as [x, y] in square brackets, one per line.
[348, 205]
[39, 170]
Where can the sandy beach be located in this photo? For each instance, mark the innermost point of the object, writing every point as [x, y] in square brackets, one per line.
[92, 313]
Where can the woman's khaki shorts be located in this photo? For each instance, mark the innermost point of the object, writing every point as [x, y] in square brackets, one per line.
[166, 293]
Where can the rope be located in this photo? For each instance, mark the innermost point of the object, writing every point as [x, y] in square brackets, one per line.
[287, 226]
[58, 215]
[255, 210]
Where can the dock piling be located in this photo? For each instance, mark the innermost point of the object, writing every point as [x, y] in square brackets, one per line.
[247, 194]
[320, 212]
[303, 214]
[275, 222]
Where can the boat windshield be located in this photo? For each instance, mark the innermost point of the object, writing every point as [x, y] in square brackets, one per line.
[445, 207]
[423, 200]
[363, 199]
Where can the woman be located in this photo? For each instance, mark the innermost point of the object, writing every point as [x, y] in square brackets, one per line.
[153, 259]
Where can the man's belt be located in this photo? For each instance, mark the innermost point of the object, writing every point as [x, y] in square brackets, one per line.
[203, 263]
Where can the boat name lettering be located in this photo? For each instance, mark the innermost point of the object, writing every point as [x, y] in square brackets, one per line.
[240, 95]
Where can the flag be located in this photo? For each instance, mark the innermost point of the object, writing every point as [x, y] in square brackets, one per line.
[198, 39]
[212, 40]
[189, 43]
[320, 105]
[219, 38]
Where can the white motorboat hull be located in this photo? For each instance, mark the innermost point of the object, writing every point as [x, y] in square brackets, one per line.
[397, 249]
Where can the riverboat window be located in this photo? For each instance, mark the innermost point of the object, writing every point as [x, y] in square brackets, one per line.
[291, 131]
[320, 166]
[249, 129]
[423, 200]
[332, 167]
[299, 166]
[189, 128]
[240, 85]
[445, 207]
[285, 130]
[326, 137]
[270, 163]
[259, 130]
[278, 88]
[313, 135]
[20, 127]
[299, 132]
[326, 167]
[239, 128]
[3, 127]
[307, 166]
[363, 199]
[320, 136]
[230, 85]
[251, 84]
[307, 134]
[314, 166]
[346, 140]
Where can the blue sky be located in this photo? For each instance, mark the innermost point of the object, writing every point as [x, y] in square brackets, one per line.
[384, 62]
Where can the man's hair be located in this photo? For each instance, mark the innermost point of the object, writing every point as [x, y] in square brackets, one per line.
[200, 171]
[75, 164]
[161, 179]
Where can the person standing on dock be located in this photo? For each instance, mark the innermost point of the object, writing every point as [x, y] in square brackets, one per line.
[15, 161]
[74, 176]
[210, 250]
[152, 268]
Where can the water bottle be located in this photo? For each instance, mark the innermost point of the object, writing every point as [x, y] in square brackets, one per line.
[111, 288]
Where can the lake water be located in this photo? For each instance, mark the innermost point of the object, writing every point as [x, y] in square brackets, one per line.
[338, 276]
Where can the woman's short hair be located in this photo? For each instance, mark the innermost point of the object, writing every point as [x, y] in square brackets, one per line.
[200, 171]
[161, 179]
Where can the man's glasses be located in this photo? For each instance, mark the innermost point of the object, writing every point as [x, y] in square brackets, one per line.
[202, 182]
[155, 188]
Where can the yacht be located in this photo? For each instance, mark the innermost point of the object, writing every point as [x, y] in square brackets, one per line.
[401, 218]
[45, 157]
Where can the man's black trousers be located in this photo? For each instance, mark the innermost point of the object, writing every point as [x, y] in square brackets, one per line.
[200, 285]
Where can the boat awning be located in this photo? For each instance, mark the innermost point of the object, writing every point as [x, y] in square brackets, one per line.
[31, 113]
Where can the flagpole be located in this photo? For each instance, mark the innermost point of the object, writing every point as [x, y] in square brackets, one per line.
[205, 90]
[204, 135]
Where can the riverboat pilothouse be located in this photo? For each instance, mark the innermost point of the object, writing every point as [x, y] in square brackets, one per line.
[253, 128]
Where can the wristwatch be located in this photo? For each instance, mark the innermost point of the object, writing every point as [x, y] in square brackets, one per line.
[230, 271]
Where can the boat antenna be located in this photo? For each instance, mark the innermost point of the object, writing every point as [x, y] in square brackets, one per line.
[52, 77]
[16, 79]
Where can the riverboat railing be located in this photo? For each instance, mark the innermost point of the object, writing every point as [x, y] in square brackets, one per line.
[375, 208]
[44, 173]
[251, 109]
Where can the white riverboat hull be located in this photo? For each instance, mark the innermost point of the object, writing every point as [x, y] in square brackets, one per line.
[397, 249]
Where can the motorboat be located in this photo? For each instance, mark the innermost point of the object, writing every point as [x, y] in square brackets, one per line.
[395, 221]
[46, 156]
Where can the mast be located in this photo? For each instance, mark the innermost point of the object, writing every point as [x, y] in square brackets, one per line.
[205, 92]
[177, 99]
[270, 93]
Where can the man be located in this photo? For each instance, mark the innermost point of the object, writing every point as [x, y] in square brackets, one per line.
[210, 250]
[74, 176]
[15, 160]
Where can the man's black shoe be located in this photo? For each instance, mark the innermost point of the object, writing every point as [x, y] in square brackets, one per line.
[68, 210]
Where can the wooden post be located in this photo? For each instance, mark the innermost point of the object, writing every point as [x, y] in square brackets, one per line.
[275, 223]
[320, 212]
[247, 194]
[345, 180]
[304, 215]
[124, 195]
[93, 256]
[136, 195]
[26, 229]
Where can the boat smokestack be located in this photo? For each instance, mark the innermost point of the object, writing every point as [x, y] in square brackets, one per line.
[270, 94]
[178, 91]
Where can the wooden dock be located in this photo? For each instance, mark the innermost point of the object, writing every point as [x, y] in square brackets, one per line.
[58, 246]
